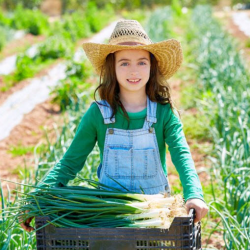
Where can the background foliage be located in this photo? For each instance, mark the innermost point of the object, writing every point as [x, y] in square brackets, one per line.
[71, 5]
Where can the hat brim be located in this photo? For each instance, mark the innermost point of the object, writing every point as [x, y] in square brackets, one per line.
[168, 53]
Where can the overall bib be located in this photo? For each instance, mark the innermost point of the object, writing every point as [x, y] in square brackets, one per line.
[131, 157]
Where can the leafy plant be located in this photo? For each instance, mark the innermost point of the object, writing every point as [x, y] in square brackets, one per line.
[158, 24]
[71, 88]
[24, 67]
[76, 25]
[11, 4]
[95, 17]
[248, 43]
[20, 150]
[33, 21]
[2, 38]
[4, 20]
[55, 47]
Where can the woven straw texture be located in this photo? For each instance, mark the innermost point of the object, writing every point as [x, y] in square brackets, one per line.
[168, 53]
[129, 31]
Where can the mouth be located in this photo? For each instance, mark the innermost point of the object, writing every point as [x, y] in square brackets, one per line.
[134, 81]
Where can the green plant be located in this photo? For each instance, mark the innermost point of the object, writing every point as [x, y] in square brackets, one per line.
[33, 21]
[222, 82]
[97, 205]
[248, 43]
[194, 126]
[12, 236]
[24, 68]
[20, 150]
[95, 17]
[70, 89]
[11, 4]
[158, 24]
[55, 47]
[138, 14]
[76, 25]
[2, 38]
[4, 20]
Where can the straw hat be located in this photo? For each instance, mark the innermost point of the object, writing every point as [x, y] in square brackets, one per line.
[129, 34]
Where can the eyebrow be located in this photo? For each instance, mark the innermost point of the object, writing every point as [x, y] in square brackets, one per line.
[124, 59]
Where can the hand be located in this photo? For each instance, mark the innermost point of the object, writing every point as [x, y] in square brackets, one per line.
[199, 206]
[26, 224]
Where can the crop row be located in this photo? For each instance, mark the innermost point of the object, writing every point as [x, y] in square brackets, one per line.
[223, 90]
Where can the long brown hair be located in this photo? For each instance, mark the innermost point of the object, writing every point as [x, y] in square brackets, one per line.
[157, 88]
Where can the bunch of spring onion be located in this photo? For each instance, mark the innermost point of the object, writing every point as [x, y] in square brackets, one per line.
[80, 207]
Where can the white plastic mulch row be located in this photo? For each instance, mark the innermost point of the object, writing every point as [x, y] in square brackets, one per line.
[23, 101]
[242, 20]
[8, 64]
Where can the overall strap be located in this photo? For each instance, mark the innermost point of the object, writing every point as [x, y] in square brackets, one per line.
[106, 111]
[151, 114]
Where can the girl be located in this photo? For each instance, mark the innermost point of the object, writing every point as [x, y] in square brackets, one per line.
[134, 119]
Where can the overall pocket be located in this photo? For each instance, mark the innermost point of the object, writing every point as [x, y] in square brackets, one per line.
[144, 163]
[118, 161]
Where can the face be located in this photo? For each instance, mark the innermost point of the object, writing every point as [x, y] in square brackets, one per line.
[132, 69]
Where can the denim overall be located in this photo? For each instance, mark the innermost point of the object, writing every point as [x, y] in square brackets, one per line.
[131, 157]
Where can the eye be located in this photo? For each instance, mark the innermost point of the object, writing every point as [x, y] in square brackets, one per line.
[142, 63]
[123, 64]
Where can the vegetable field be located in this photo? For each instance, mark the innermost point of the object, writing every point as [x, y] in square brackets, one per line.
[211, 90]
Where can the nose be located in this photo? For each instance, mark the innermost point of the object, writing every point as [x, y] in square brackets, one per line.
[134, 71]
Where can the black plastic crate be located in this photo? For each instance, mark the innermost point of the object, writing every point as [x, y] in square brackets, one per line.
[182, 234]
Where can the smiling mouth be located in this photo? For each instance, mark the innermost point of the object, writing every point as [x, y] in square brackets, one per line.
[134, 81]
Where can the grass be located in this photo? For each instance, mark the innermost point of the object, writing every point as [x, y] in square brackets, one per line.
[248, 43]
[19, 150]
[195, 126]
[20, 169]
[202, 147]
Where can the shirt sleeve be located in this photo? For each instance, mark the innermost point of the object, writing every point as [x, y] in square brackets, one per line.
[181, 157]
[74, 158]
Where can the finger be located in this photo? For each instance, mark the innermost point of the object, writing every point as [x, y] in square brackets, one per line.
[204, 212]
[29, 220]
[27, 227]
[197, 215]
[31, 229]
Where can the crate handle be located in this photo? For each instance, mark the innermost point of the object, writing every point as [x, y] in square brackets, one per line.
[192, 214]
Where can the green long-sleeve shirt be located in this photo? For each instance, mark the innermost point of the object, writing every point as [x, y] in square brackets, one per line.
[92, 129]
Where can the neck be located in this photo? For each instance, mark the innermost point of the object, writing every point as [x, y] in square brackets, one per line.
[133, 102]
